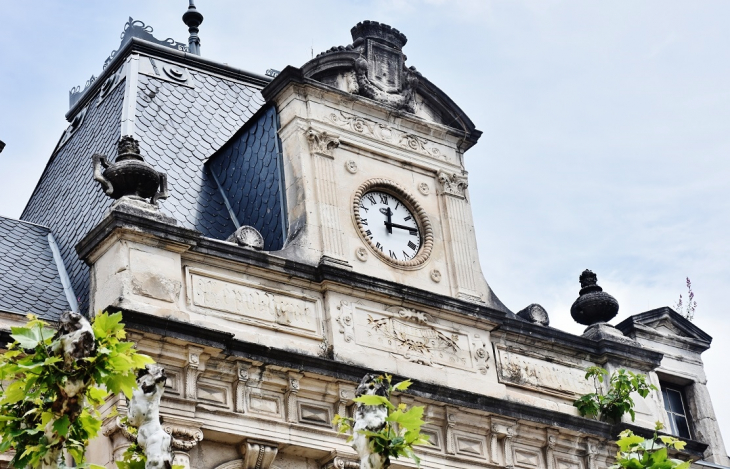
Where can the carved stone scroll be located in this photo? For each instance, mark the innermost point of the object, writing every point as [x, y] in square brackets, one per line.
[194, 367]
[258, 454]
[183, 440]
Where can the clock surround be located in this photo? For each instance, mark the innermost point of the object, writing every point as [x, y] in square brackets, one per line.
[404, 197]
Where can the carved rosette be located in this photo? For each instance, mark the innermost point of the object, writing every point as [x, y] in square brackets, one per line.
[387, 185]
[322, 143]
[452, 184]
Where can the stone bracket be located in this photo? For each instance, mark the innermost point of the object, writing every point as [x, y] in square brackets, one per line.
[257, 454]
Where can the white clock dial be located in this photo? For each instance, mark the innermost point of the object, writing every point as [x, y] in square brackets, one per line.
[390, 225]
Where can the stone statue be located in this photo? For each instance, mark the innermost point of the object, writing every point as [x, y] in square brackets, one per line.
[371, 418]
[75, 338]
[144, 413]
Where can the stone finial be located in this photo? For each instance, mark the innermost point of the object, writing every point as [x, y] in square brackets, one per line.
[192, 19]
[593, 306]
[129, 176]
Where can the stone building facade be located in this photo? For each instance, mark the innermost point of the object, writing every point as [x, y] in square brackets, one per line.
[317, 226]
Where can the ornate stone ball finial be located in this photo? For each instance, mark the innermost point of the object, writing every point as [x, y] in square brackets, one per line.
[193, 18]
[129, 176]
[593, 306]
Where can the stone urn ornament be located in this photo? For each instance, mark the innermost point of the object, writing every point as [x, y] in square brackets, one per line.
[593, 306]
[129, 176]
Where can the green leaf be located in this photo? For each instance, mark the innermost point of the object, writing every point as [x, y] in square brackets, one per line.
[25, 337]
[403, 385]
[373, 400]
[61, 425]
[627, 442]
[14, 393]
[410, 420]
[121, 383]
[140, 360]
[90, 424]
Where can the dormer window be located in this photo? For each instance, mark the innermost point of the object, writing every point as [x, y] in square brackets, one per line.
[674, 404]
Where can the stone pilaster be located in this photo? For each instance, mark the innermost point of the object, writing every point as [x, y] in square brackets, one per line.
[322, 148]
[460, 228]
[242, 375]
[551, 439]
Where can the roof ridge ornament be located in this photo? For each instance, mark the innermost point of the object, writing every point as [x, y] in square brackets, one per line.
[193, 18]
[138, 29]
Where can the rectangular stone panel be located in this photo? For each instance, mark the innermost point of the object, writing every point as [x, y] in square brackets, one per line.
[542, 376]
[413, 336]
[248, 303]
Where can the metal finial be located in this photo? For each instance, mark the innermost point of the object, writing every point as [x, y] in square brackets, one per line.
[192, 18]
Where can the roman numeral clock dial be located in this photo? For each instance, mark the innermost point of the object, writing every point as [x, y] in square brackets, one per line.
[392, 224]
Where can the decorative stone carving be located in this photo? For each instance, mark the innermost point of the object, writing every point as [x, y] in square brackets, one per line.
[144, 413]
[502, 431]
[481, 354]
[361, 253]
[345, 320]
[346, 393]
[258, 454]
[369, 418]
[436, 275]
[291, 396]
[381, 73]
[129, 176]
[593, 305]
[184, 438]
[452, 184]
[341, 463]
[423, 188]
[421, 340]
[535, 314]
[551, 440]
[351, 166]
[242, 374]
[193, 369]
[322, 143]
[248, 237]
[386, 133]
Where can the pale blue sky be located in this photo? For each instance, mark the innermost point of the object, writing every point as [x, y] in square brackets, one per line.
[606, 126]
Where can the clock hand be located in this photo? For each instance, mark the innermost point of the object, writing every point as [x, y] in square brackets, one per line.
[388, 224]
[402, 227]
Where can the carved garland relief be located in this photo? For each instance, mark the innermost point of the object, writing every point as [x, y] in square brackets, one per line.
[387, 134]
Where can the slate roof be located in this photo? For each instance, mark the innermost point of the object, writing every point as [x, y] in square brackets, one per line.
[249, 171]
[29, 278]
[178, 127]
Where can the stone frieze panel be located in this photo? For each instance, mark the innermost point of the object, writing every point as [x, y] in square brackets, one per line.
[414, 336]
[532, 373]
[248, 303]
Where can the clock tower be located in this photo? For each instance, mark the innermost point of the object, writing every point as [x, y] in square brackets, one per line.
[374, 168]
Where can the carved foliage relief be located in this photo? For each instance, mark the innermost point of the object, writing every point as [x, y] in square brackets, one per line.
[412, 335]
[387, 134]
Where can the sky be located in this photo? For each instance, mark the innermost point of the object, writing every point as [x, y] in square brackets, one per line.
[606, 127]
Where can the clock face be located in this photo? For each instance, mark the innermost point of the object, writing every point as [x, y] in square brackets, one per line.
[389, 225]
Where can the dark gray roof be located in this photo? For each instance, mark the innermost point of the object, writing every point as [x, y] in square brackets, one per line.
[178, 127]
[249, 171]
[66, 198]
[29, 277]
